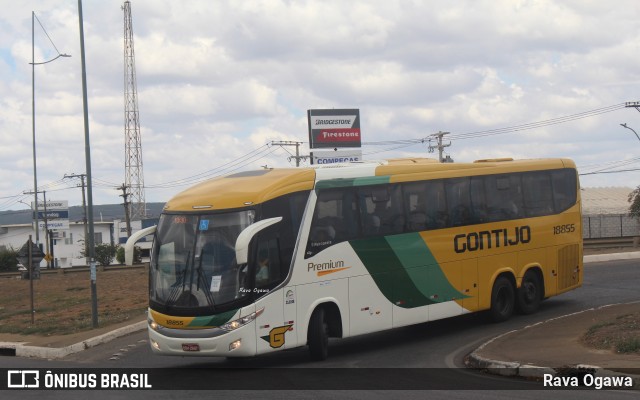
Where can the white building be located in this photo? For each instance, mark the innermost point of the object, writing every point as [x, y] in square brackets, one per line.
[68, 245]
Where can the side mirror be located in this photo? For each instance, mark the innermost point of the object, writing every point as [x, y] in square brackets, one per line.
[131, 242]
[244, 238]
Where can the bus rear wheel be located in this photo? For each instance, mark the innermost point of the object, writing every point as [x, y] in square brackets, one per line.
[530, 293]
[318, 336]
[503, 299]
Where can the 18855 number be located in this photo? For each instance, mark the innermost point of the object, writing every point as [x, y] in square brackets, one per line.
[566, 228]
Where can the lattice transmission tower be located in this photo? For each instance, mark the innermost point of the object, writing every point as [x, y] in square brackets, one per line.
[134, 177]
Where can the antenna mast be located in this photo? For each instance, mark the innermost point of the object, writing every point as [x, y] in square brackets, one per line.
[134, 177]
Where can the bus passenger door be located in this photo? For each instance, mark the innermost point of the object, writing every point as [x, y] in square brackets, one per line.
[272, 330]
[272, 333]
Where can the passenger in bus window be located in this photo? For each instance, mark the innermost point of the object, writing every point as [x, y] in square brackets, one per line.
[262, 272]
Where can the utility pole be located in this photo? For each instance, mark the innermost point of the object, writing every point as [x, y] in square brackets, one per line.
[125, 196]
[47, 256]
[633, 104]
[297, 157]
[90, 239]
[438, 137]
[84, 209]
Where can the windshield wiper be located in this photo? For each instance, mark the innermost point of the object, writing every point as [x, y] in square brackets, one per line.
[205, 290]
[176, 290]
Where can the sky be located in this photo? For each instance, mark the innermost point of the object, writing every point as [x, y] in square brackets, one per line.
[219, 81]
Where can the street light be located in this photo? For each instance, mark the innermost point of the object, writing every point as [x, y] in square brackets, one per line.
[33, 114]
[631, 129]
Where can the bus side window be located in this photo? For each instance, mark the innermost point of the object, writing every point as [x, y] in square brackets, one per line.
[458, 201]
[268, 267]
[291, 208]
[436, 205]
[375, 210]
[564, 189]
[415, 206]
[538, 198]
[478, 200]
[335, 220]
[503, 197]
[396, 220]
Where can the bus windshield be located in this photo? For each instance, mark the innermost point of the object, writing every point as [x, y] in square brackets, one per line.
[193, 267]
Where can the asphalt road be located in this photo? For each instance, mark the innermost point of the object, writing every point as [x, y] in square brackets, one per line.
[439, 346]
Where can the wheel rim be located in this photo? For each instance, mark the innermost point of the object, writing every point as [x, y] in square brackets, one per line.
[530, 292]
[502, 300]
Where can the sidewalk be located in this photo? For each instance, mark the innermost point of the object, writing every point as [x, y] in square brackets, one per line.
[553, 346]
[52, 347]
[525, 352]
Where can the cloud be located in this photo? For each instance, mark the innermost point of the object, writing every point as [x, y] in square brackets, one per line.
[218, 81]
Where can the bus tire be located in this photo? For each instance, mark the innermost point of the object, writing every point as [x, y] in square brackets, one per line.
[318, 335]
[503, 299]
[530, 293]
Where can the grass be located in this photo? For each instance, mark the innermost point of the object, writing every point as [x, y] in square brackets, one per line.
[620, 334]
[62, 302]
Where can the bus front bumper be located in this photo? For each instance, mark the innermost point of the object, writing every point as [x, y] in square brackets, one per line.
[237, 343]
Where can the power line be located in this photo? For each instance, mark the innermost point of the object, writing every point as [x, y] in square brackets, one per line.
[254, 154]
[610, 172]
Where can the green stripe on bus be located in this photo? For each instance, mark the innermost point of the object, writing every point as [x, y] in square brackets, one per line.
[422, 267]
[349, 182]
[405, 271]
[213, 320]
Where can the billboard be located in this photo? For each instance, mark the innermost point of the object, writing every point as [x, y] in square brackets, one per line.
[57, 214]
[334, 128]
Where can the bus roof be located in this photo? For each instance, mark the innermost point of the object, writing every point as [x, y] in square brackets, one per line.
[242, 189]
[253, 187]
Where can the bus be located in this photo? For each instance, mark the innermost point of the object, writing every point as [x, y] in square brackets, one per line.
[273, 259]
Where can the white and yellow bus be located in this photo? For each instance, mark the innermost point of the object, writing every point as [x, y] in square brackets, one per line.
[274, 259]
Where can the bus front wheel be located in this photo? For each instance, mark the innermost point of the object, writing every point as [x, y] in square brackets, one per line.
[530, 293]
[318, 336]
[503, 299]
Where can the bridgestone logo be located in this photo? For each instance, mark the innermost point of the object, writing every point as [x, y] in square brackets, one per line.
[333, 122]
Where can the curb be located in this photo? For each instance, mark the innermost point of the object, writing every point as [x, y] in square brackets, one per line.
[611, 257]
[22, 350]
[534, 372]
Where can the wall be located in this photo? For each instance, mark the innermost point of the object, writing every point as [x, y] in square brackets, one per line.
[609, 226]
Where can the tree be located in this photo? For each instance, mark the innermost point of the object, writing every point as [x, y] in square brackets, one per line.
[136, 255]
[634, 199]
[105, 253]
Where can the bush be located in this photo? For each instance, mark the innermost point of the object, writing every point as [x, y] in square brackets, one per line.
[105, 253]
[8, 260]
[136, 255]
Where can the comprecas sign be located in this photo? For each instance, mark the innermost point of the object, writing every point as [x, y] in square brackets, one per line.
[334, 128]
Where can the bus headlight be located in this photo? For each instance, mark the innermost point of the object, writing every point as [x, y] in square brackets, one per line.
[235, 324]
[154, 325]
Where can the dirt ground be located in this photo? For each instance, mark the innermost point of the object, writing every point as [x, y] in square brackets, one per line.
[619, 335]
[62, 302]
